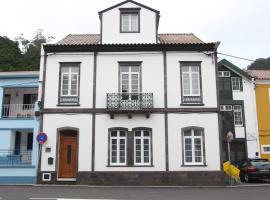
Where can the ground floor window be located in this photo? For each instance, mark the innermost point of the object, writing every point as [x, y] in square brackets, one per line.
[265, 149]
[130, 148]
[193, 146]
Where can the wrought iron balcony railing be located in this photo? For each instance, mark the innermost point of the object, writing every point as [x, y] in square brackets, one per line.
[18, 110]
[15, 157]
[129, 101]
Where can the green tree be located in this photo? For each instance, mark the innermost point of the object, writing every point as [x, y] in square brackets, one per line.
[10, 55]
[260, 64]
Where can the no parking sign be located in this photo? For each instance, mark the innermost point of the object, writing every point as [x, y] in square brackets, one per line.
[42, 138]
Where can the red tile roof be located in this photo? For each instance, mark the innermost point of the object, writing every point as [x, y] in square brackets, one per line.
[166, 38]
[260, 74]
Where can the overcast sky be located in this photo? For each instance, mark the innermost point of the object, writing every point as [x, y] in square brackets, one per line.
[242, 26]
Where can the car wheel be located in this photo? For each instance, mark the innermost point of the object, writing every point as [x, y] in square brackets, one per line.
[246, 178]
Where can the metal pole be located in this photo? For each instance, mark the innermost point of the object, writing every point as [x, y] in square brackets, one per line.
[229, 157]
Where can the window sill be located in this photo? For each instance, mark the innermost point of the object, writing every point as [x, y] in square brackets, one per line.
[62, 105]
[192, 104]
[130, 166]
[204, 165]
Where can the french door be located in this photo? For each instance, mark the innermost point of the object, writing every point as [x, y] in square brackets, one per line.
[130, 82]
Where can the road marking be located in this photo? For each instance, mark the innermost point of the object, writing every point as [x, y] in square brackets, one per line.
[37, 198]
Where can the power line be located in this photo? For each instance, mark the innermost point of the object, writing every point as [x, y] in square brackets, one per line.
[247, 59]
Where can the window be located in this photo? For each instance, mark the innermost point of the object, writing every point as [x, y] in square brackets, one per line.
[265, 149]
[130, 148]
[237, 112]
[193, 146]
[69, 83]
[118, 147]
[130, 81]
[269, 94]
[129, 20]
[29, 100]
[225, 107]
[29, 141]
[142, 144]
[236, 86]
[191, 82]
[224, 74]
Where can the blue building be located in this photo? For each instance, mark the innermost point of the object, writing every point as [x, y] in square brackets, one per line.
[18, 127]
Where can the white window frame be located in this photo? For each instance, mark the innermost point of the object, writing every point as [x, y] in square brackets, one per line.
[236, 110]
[141, 138]
[118, 138]
[262, 149]
[193, 137]
[224, 73]
[129, 15]
[225, 108]
[236, 83]
[69, 73]
[130, 73]
[190, 73]
[269, 94]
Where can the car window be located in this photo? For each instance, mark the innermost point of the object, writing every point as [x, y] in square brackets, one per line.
[259, 162]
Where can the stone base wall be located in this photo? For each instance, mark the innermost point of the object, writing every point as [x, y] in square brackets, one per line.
[198, 178]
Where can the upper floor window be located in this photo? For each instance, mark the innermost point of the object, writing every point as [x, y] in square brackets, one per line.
[225, 107]
[129, 20]
[191, 82]
[224, 73]
[193, 146]
[237, 112]
[236, 84]
[69, 83]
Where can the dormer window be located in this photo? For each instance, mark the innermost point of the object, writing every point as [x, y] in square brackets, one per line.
[129, 20]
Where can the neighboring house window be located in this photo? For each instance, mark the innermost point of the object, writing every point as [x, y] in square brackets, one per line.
[118, 147]
[225, 107]
[69, 83]
[265, 149]
[224, 73]
[129, 20]
[29, 141]
[236, 84]
[29, 101]
[237, 112]
[191, 82]
[142, 147]
[193, 146]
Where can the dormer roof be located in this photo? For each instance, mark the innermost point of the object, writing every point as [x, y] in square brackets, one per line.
[128, 1]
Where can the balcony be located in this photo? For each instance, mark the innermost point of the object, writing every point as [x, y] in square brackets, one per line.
[15, 157]
[18, 110]
[129, 103]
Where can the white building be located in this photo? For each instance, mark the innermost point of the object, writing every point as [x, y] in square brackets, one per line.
[130, 106]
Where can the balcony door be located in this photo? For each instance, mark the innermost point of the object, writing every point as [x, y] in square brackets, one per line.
[6, 105]
[130, 82]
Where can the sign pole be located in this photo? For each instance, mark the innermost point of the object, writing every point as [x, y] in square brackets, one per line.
[229, 139]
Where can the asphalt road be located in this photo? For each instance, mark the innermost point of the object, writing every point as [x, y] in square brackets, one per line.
[143, 193]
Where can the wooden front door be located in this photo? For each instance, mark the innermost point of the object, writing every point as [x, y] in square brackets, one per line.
[68, 154]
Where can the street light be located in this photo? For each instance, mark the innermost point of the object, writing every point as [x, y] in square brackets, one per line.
[229, 140]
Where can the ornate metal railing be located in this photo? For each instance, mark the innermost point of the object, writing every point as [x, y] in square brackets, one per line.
[15, 157]
[18, 110]
[192, 99]
[129, 101]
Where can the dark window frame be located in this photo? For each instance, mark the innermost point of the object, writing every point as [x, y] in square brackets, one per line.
[130, 11]
[203, 147]
[75, 103]
[129, 146]
[197, 64]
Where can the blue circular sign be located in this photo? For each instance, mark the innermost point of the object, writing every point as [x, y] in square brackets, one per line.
[42, 138]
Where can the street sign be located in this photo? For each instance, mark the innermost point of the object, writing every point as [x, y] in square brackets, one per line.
[42, 138]
[229, 136]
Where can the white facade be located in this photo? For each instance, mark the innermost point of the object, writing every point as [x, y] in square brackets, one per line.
[167, 120]
[251, 123]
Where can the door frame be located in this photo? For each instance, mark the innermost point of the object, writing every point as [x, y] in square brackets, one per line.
[59, 130]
